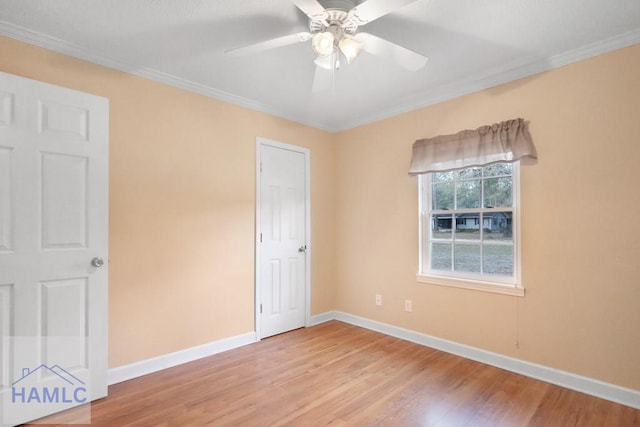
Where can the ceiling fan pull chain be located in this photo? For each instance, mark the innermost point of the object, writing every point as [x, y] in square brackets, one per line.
[333, 73]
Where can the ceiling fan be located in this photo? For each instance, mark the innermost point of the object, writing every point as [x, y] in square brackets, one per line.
[333, 31]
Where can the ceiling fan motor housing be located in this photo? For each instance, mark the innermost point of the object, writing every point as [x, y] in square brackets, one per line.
[337, 17]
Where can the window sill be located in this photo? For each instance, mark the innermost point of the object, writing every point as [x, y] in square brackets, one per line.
[496, 288]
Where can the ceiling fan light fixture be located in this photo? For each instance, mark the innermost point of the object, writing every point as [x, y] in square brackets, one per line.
[350, 48]
[322, 44]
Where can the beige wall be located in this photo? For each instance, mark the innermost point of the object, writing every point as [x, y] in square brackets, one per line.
[580, 222]
[182, 215]
[182, 200]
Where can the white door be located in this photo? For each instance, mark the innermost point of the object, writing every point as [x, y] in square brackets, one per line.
[282, 276]
[53, 242]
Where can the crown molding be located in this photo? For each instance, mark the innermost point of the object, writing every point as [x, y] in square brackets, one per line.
[490, 78]
[60, 46]
[510, 72]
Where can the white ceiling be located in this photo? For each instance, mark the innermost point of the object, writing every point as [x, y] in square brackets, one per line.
[471, 45]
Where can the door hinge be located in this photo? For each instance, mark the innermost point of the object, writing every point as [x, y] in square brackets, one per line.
[260, 308]
[260, 237]
[260, 166]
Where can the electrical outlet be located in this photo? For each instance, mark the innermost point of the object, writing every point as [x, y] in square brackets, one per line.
[378, 299]
[408, 305]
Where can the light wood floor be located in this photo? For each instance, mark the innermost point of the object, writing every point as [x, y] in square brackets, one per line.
[341, 375]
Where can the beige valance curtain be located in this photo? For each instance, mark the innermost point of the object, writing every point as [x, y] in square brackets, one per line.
[508, 141]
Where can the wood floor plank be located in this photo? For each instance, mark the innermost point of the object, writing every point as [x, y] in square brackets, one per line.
[336, 374]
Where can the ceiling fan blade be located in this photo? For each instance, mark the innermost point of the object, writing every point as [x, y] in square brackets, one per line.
[325, 74]
[270, 44]
[406, 58]
[314, 10]
[322, 80]
[374, 9]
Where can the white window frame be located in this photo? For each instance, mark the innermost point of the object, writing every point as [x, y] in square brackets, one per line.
[511, 285]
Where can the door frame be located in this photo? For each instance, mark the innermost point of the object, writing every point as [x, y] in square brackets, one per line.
[262, 142]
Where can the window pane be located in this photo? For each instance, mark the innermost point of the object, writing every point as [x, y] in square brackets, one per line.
[442, 176]
[443, 195]
[498, 259]
[441, 256]
[468, 226]
[497, 192]
[469, 173]
[467, 258]
[471, 222]
[468, 194]
[498, 169]
[426, 236]
[498, 226]
[441, 226]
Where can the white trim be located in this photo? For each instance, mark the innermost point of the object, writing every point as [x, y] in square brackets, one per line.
[508, 285]
[487, 79]
[506, 73]
[258, 255]
[517, 184]
[155, 364]
[257, 270]
[593, 387]
[317, 319]
[35, 38]
[565, 379]
[474, 285]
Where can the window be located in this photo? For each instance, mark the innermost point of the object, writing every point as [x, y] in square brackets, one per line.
[469, 222]
[470, 206]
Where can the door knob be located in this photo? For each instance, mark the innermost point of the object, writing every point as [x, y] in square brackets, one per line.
[302, 249]
[97, 262]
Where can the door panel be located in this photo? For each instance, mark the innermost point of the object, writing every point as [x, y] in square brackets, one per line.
[64, 121]
[6, 200]
[64, 201]
[64, 322]
[6, 108]
[294, 284]
[53, 222]
[275, 210]
[6, 328]
[282, 219]
[292, 199]
[275, 287]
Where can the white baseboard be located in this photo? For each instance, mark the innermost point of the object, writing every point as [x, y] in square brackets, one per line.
[322, 317]
[565, 379]
[148, 366]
